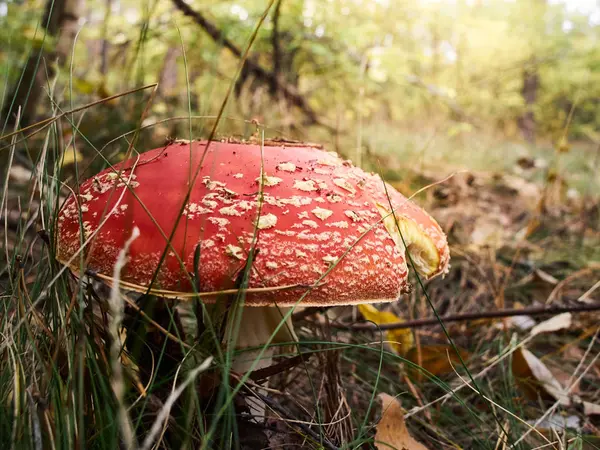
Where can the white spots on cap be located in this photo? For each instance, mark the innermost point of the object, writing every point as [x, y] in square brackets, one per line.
[190, 210]
[287, 167]
[87, 197]
[211, 184]
[340, 224]
[334, 198]
[310, 223]
[238, 175]
[123, 207]
[300, 254]
[230, 211]
[131, 184]
[328, 162]
[266, 221]
[329, 259]
[296, 200]
[319, 200]
[234, 251]
[321, 237]
[209, 203]
[321, 171]
[352, 215]
[270, 181]
[272, 265]
[208, 243]
[303, 215]
[322, 213]
[305, 185]
[344, 184]
[101, 186]
[246, 205]
[221, 222]
[84, 208]
[288, 233]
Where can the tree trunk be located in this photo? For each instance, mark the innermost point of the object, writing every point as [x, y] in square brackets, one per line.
[60, 20]
[531, 83]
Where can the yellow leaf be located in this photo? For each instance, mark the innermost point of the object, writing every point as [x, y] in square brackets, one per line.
[71, 156]
[437, 359]
[391, 430]
[402, 340]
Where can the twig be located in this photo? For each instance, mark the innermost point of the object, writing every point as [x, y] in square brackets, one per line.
[289, 92]
[274, 369]
[417, 323]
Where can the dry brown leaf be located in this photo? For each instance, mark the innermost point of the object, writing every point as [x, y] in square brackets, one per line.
[436, 359]
[391, 429]
[402, 340]
[591, 409]
[559, 322]
[535, 379]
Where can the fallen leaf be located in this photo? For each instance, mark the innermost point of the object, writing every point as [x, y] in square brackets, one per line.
[558, 422]
[70, 157]
[20, 174]
[545, 276]
[522, 323]
[559, 322]
[535, 379]
[391, 430]
[436, 359]
[401, 341]
[591, 409]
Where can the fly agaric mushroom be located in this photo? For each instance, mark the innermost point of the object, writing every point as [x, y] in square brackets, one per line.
[323, 230]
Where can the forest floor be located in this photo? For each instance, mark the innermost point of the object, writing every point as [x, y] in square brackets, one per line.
[520, 238]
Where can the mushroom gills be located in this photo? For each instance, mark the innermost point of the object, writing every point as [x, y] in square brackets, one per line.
[420, 246]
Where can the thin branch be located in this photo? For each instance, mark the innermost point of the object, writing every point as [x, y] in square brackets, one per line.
[500, 313]
[290, 93]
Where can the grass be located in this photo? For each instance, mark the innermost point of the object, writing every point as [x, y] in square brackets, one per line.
[61, 355]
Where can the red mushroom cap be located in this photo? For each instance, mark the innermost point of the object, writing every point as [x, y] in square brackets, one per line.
[325, 229]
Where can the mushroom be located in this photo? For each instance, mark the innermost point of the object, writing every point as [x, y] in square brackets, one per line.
[323, 231]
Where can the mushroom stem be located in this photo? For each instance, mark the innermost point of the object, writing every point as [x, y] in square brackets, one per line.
[255, 326]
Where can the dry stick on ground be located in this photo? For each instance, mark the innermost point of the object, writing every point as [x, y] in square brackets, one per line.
[499, 313]
[271, 79]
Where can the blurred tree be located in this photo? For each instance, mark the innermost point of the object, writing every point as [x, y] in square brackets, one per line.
[59, 22]
[516, 67]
